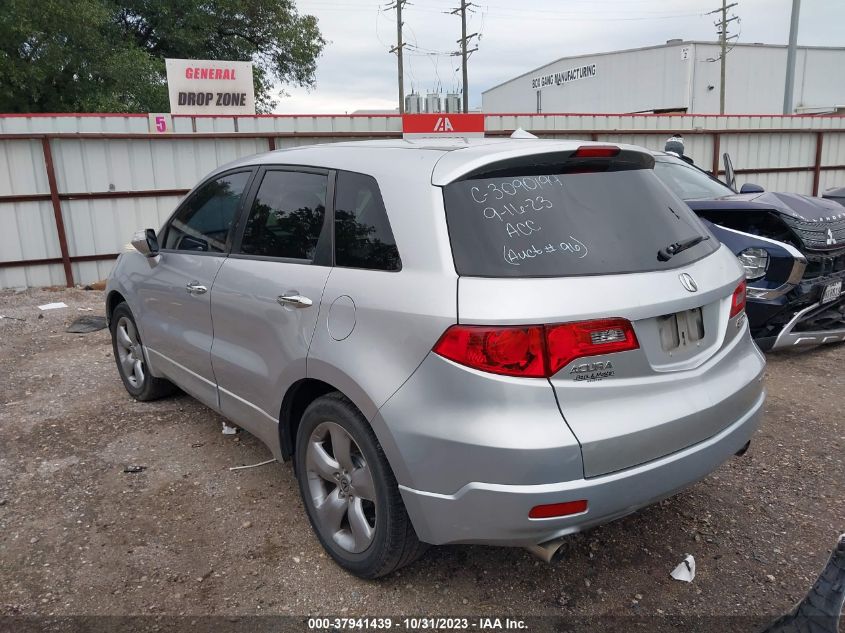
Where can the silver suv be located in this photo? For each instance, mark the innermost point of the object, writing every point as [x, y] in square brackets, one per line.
[491, 341]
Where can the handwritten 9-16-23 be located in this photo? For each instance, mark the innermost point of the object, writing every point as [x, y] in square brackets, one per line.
[519, 204]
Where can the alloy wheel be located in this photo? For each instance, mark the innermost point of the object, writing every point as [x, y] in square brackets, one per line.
[341, 486]
[129, 352]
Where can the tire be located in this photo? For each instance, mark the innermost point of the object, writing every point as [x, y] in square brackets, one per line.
[336, 450]
[129, 357]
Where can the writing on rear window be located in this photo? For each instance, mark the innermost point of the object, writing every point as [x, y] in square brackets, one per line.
[513, 187]
[523, 217]
[574, 246]
[568, 223]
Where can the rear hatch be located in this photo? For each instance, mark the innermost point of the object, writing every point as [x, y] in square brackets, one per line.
[585, 236]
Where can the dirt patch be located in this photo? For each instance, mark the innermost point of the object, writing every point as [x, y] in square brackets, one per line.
[187, 536]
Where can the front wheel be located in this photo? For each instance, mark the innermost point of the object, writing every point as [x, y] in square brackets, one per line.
[129, 356]
[349, 491]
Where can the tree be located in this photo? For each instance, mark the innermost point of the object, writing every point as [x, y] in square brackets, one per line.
[108, 55]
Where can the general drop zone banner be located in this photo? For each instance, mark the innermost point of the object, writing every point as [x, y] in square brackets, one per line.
[202, 86]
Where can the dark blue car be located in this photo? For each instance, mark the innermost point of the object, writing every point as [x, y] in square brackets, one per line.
[837, 195]
[791, 246]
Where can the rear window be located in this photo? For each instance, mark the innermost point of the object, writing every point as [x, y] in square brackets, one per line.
[559, 224]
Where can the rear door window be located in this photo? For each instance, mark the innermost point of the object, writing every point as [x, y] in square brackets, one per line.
[568, 221]
[287, 216]
[363, 237]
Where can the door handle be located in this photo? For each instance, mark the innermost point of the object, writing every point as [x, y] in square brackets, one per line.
[195, 288]
[294, 299]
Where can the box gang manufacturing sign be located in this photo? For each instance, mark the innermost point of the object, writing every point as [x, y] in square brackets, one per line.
[563, 77]
[202, 86]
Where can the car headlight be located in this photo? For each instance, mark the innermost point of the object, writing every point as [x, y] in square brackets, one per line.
[755, 261]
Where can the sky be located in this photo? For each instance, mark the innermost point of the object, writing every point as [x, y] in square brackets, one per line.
[357, 72]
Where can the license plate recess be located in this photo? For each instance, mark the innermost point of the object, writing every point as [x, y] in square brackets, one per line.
[680, 330]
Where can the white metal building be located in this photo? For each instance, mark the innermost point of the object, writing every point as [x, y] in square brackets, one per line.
[677, 76]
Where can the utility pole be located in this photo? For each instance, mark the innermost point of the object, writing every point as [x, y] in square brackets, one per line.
[464, 52]
[790, 58]
[398, 50]
[723, 45]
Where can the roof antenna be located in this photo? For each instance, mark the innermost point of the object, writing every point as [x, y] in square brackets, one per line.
[520, 133]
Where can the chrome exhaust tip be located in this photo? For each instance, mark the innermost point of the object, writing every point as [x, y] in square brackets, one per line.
[546, 551]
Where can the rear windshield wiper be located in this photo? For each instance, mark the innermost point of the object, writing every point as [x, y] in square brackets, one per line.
[666, 253]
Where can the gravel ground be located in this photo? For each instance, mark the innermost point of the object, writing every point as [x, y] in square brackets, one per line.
[78, 535]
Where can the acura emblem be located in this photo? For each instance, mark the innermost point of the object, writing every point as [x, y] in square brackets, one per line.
[688, 282]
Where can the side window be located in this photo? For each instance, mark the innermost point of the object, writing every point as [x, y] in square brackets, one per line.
[287, 215]
[203, 223]
[363, 238]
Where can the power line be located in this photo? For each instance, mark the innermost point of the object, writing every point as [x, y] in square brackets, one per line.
[414, 81]
[724, 38]
[411, 49]
[398, 4]
[583, 17]
[465, 50]
[506, 13]
[434, 7]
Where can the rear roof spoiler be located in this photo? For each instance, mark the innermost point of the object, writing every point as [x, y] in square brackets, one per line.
[530, 156]
[572, 161]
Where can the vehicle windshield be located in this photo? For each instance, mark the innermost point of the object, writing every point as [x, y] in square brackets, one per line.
[559, 223]
[688, 182]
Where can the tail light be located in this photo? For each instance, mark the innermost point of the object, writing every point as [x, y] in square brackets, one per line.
[569, 341]
[738, 299]
[535, 351]
[512, 351]
[596, 151]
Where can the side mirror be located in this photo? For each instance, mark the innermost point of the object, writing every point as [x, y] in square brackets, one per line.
[146, 242]
[750, 187]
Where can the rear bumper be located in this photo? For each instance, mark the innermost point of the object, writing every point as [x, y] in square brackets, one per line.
[497, 514]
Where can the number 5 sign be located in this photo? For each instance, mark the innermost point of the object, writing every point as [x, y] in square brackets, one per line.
[160, 123]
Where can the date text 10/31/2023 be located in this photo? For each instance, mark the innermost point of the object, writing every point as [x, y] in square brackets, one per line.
[421, 623]
[504, 201]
